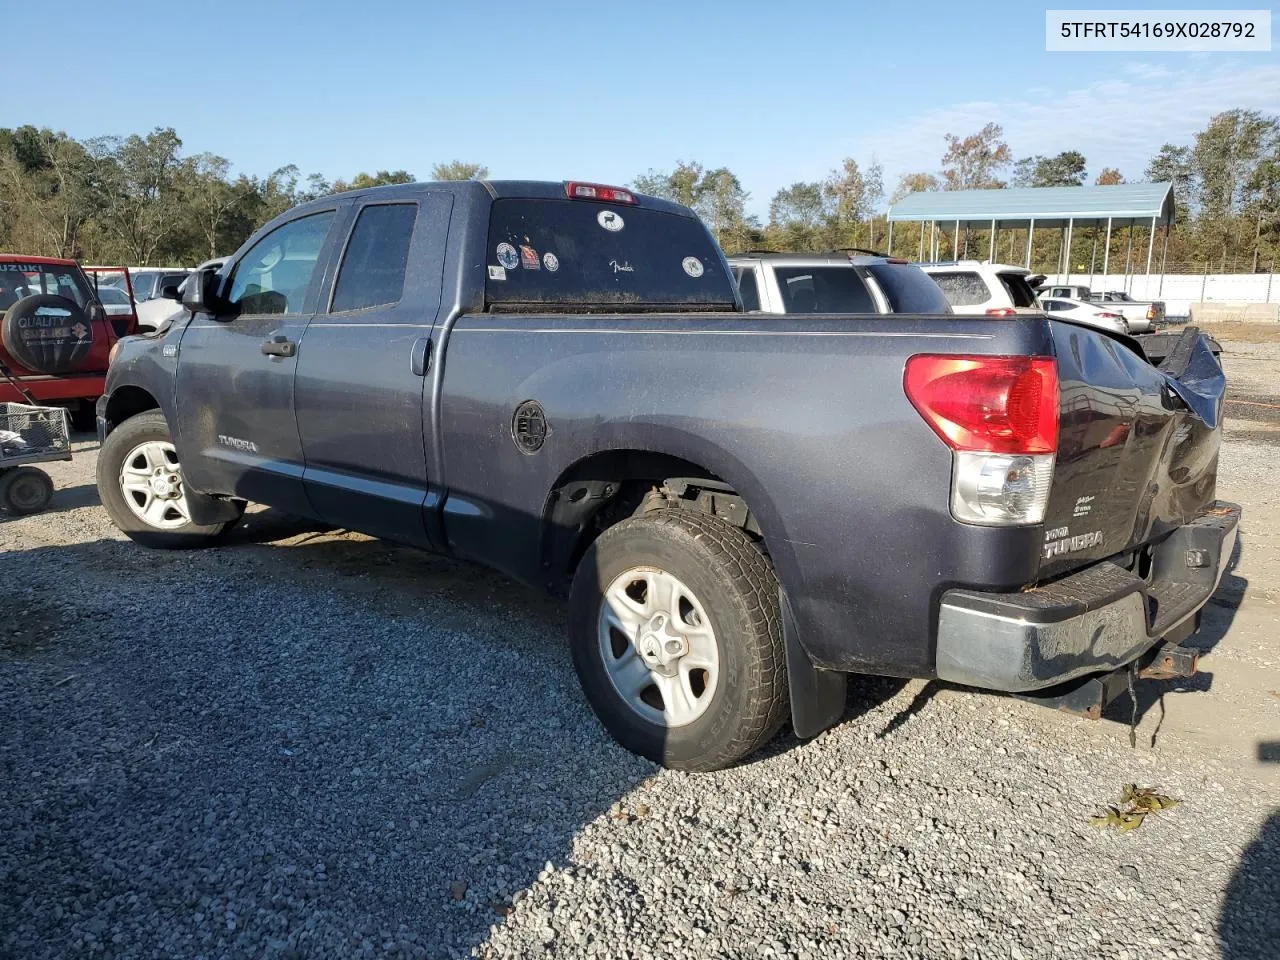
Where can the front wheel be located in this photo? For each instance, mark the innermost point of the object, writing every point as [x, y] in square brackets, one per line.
[141, 486]
[677, 639]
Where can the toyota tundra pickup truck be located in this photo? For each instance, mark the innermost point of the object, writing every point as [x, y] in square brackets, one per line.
[558, 380]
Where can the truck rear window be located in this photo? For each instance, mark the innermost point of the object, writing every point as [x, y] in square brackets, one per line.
[581, 253]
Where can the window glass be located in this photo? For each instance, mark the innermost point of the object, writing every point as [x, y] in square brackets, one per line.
[1054, 305]
[909, 289]
[372, 271]
[26, 280]
[823, 290]
[746, 278]
[963, 288]
[603, 255]
[274, 275]
[144, 285]
[1015, 284]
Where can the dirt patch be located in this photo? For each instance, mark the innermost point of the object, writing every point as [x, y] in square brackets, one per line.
[28, 627]
[1243, 332]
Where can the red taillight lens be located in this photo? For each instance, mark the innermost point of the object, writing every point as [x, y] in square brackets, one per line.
[987, 404]
[1002, 312]
[1111, 316]
[597, 191]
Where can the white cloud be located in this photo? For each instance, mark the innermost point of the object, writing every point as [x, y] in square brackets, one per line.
[1119, 120]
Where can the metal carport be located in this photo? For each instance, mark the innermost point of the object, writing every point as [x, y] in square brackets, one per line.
[1032, 208]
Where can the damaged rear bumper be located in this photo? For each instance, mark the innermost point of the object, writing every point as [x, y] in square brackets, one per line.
[1096, 620]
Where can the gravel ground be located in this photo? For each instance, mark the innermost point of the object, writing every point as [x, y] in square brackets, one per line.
[312, 744]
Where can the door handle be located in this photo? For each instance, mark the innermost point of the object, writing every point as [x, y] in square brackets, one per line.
[278, 345]
[420, 356]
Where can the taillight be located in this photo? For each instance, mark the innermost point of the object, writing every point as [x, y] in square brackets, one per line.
[1151, 312]
[1000, 416]
[596, 191]
[1002, 312]
[1111, 316]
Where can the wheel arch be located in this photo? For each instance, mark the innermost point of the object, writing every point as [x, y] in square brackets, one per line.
[607, 486]
[128, 401]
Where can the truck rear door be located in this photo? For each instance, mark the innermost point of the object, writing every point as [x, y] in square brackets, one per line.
[362, 370]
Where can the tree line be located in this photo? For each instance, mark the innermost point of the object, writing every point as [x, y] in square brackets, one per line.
[1226, 187]
[140, 200]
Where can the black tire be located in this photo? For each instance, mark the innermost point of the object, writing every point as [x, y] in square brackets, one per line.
[48, 334]
[735, 585]
[122, 441]
[25, 490]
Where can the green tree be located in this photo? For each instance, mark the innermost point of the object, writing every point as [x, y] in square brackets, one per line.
[845, 203]
[459, 170]
[1066, 169]
[46, 187]
[910, 183]
[972, 162]
[383, 177]
[138, 177]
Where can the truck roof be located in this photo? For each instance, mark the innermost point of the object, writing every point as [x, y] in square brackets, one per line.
[497, 189]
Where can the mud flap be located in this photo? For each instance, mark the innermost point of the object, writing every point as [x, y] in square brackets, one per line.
[817, 696]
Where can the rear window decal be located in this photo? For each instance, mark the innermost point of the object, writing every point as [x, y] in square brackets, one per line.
[507, 256]
[497, 273]
[621, 267]
[529, 258]
[692, 266]
[610, 221]
[551, 262]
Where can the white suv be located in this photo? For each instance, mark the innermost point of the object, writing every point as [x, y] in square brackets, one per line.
[995, 289]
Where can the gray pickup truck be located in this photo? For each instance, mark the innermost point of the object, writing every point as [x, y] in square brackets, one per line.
[558, 380]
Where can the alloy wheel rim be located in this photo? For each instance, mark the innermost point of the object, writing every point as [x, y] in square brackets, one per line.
[152, 485]
[658, 646]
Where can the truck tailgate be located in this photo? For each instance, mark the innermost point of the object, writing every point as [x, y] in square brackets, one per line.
[1137, 449]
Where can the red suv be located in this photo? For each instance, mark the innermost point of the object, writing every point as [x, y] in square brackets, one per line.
[55, 334]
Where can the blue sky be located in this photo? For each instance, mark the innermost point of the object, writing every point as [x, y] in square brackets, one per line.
[778, 92]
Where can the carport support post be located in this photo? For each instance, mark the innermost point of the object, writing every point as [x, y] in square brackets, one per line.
[920, 259]
[955, 244]
[1164, 252]
[1151, 245]
[1031, 230]
[1106, 252]
[991, 253]
[1128, 262]
[890, 249]
[1071, 224]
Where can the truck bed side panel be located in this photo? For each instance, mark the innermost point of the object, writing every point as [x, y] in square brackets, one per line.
[805, 417]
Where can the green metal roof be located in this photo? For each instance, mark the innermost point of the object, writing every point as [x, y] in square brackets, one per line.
[1048, 206]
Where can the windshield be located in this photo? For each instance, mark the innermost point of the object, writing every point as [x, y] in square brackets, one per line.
[585, 253]
[19, 280]
[823, 290]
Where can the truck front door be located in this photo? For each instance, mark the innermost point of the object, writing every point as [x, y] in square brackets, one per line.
[237, 434]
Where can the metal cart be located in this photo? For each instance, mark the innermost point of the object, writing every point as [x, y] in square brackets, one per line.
[29, 434]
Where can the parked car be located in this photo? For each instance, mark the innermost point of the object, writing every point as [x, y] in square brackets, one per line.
[833, 283]
[558, 380]
[150, 285]
[978, 288]
[115, 300]
[1142, 315]
[1083, 312]
[55, 334]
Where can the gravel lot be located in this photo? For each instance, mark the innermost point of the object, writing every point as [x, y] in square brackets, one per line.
[314, 744]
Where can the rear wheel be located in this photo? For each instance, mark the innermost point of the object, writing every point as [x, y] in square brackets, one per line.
[141, 486]
[25, 490]
[677, 639]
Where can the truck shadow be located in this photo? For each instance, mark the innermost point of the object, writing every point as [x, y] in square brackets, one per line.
[1249, 925]
[392, 742]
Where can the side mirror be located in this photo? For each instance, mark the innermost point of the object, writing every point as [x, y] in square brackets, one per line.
[170, 292]
[96, 312]
[201, 293]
